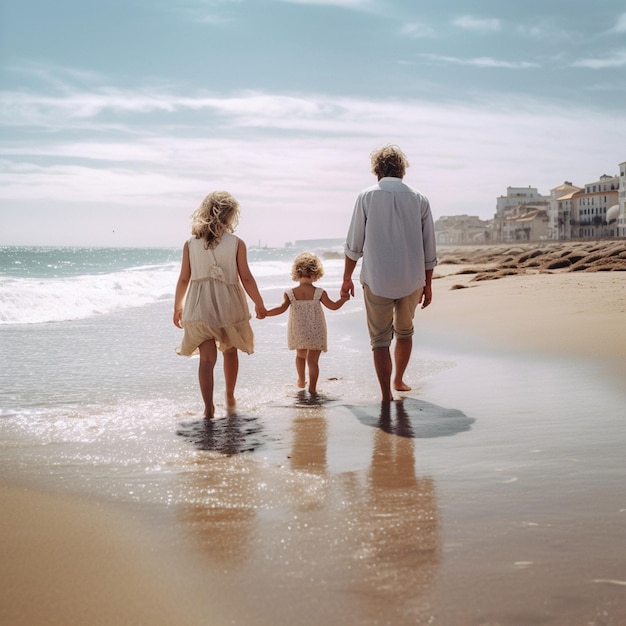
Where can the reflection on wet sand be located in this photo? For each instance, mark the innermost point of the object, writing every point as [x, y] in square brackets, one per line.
[308, 449]
[220, 489]
[230, 435]
[361, 544]
[399, 525]
[308, 460]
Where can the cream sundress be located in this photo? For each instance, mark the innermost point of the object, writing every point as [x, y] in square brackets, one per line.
[215, 305]
[306, 329]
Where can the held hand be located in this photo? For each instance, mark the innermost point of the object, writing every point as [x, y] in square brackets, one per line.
[347, 288]
[178, 315]
[427, 296]
[260, 311]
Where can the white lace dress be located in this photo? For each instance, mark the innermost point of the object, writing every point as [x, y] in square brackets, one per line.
[215, 305]
[306, 329]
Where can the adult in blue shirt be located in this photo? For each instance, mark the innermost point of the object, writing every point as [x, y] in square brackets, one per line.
[392, 230]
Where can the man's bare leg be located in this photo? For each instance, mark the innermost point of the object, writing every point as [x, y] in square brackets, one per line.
[300, 367]
[402, 355]
[231, 371]
[382, 365]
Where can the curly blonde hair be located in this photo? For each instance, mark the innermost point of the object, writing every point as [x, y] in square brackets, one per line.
[389, 161]
[218, 213]
[307, 265]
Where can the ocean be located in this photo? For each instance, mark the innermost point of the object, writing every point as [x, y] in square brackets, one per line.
[90, 380]
[498, 479]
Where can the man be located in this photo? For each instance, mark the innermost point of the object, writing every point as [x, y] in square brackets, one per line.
[392, 230]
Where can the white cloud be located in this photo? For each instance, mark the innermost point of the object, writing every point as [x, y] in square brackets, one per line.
[620, 24]
[487, 62]
[617, 59]
[345, 4]
[294, 161]
[545, 31]
[468, 22]
[418, 31]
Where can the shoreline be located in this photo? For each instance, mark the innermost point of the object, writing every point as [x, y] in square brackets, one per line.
[74, 558]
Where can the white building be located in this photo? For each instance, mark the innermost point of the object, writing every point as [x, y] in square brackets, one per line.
[560, 211]
[621, 219]
[455, 229]
[510, 206]
[591, 207]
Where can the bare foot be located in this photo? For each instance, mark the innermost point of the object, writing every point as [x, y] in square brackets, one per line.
[301, 383]
[401, 386]
[209, 414]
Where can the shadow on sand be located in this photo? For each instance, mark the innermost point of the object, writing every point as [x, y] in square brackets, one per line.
[230, 435]
[413, 418]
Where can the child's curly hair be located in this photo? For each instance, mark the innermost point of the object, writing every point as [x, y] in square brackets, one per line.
[389, 161]
[218, 213]
[307, 265]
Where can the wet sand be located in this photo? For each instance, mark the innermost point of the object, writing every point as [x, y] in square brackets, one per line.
[451, 507]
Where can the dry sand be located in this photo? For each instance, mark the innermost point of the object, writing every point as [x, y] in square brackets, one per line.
[72, 561]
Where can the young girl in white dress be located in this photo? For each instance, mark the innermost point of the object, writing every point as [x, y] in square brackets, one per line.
[210, 304]
[306, 329]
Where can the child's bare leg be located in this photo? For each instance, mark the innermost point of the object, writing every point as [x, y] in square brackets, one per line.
[231, 370]
[208, 356]
[312, 361]
[300, 367]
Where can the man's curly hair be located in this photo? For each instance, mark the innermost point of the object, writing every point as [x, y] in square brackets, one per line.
[389, 161]
[218, 213]
[307, 265]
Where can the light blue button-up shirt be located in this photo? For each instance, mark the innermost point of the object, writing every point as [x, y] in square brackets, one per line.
[392, 229]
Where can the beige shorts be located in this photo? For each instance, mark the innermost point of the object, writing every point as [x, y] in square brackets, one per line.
[386, 316]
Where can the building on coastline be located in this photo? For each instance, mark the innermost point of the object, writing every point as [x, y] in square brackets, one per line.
[527, 222]
[560, 213]
[590, 208]
[621, 217]
[462, 229]
[521, 214]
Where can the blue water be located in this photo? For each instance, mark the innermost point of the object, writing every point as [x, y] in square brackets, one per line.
[45, 284]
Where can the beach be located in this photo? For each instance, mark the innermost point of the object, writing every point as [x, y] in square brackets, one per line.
[491, 494]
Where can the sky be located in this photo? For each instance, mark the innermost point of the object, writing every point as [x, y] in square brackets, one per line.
[118, 117]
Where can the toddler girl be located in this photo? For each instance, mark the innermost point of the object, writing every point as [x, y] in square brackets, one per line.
[306, 329]
[210, 303]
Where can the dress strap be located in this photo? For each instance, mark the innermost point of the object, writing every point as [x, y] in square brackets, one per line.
[290, 295]
[318, 294]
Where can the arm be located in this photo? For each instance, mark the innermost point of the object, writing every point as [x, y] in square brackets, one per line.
[430, 253]
[427, 295]
[277, 310]
[181, 286]
[247, 280]
[333, 305]
[353, 248]
[347, 287]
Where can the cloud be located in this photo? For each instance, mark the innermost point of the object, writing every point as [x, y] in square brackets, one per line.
[617, 59]
[545, 31]
[467, 22]
[620, 24]
[418, 31]
[363, 5]
[302, 157]
[487, 62]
